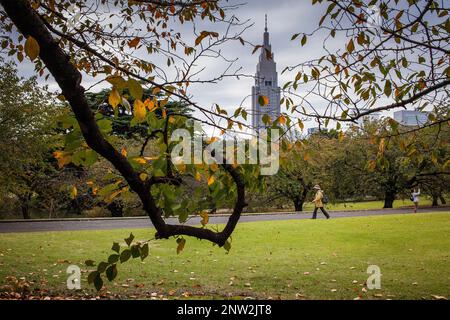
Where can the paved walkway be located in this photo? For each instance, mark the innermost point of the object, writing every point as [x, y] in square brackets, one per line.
[144, 222]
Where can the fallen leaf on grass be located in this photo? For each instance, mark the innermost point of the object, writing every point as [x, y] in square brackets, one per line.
[436, 297]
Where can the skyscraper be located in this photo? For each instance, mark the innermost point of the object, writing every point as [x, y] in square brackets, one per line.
[266, 84]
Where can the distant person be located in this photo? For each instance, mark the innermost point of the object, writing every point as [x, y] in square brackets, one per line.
[318, 202]
[415, 193]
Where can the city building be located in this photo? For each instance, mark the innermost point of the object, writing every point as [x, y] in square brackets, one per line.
[266, 84]
[411, 118]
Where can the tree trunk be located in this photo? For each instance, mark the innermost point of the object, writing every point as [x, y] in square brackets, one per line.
[116, 209]
[435, 201]
[389, 199]
[25, 211]
[442, 200]
[298, 204]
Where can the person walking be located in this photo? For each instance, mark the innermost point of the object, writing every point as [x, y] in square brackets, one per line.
[415, 193]
[318, 202]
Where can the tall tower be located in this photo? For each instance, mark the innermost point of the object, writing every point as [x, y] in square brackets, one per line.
[266, 84]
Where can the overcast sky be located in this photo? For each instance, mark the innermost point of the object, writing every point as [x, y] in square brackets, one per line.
[286, 17]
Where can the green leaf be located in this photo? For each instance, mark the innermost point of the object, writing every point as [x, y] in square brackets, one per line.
[98, 282]
[92, 276]
[135, 89]
[125, 255]
[102, 266]
[116, 247]
[304, 39]
[135, 251]
[129, 240]
[89, 263]
[111, 272]
[144, 251]
[113, 258]
[388, 88]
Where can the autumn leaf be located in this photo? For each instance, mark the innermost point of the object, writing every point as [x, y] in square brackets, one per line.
[150, 105]
[114, 98]
[181, 243]
[139, 110]
[134, 43]
[205, 218]
[350, 46]
[32, 48]
[62, 158]
[73, 193]
[263, 101]
[211, 180]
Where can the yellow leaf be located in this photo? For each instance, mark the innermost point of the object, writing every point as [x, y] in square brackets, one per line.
[263, 101]
[150, 105]
[114, 98]
[282, 120]
[139, 110]
[140, 160]
[212, 140]
[181, 168]
[181, 244]
[32, 48]
[63, 158]
[73, 193]
[205, 218]
[306, 156]
[211, 180]
[156, 90]
[143, 176]
[124, 152]
[198, 176]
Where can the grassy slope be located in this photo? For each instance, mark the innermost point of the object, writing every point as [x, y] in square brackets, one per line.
[412, 251]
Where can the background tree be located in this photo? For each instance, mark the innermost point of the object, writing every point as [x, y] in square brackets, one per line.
[27, 116]
[295, 179]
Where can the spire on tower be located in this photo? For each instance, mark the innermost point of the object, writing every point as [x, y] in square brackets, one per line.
[266, 23]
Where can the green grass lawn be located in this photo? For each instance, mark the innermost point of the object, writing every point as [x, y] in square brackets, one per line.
[288, 259]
